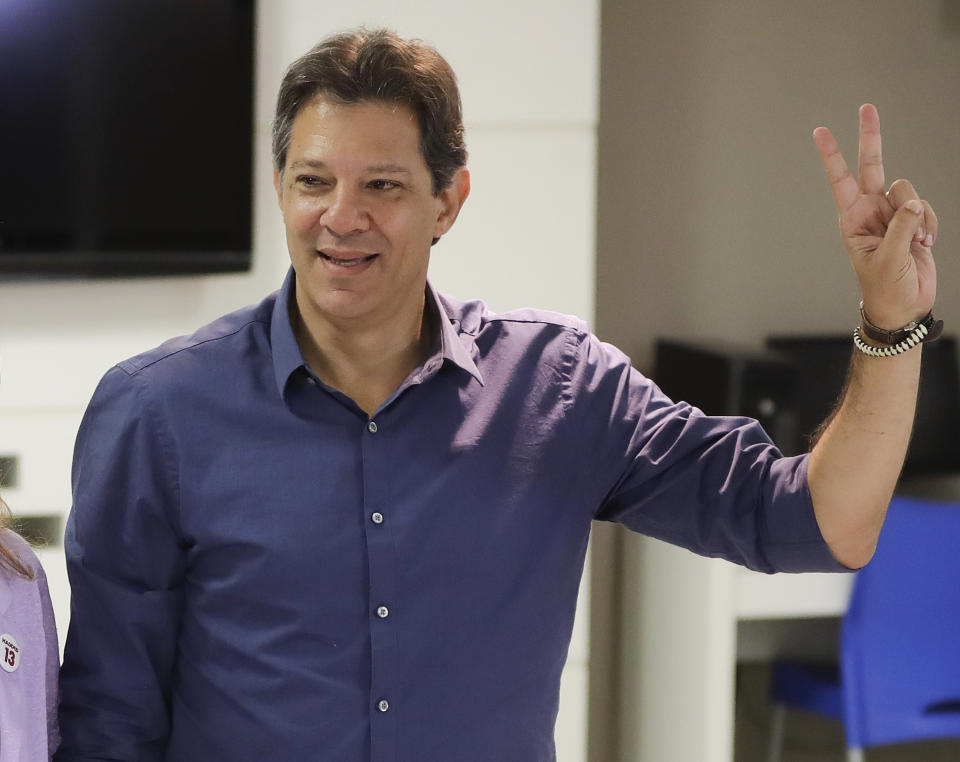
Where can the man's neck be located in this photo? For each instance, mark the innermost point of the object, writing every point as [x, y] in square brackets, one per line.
[367, 363]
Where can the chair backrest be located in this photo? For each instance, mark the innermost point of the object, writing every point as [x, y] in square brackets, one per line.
[901, 635]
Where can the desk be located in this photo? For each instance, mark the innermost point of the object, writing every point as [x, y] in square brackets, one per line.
[679, 645]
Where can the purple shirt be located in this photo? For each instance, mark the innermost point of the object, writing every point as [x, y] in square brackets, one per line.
[29, 660]
[259, 570]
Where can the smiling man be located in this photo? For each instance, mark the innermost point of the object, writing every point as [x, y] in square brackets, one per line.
[349, 523]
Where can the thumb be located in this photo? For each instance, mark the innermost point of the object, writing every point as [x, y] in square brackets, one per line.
[906, 221]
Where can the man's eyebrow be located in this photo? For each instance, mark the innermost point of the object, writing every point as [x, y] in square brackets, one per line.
[310, 163]
[392, 169]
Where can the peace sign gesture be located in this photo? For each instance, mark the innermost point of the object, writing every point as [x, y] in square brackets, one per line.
[888, 236]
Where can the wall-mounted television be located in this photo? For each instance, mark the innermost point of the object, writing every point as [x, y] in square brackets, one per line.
[126, 137]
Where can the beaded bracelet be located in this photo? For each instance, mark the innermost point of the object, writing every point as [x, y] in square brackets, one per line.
[915, 338]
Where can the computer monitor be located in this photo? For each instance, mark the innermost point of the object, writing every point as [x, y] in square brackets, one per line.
[821, 365]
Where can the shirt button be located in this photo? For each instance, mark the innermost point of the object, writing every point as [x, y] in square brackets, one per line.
[377, 518]
[383, 705]
[372, 427]
[383, 612]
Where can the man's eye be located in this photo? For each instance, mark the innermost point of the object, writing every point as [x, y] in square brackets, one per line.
[383, 184]
[310, 181]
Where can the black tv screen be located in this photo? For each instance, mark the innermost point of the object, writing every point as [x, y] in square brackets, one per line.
[126, 136]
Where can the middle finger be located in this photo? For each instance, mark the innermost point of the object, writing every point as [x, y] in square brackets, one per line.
[870, 166]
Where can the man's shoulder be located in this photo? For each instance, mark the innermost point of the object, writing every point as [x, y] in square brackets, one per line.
[474, 317]
[227, 336]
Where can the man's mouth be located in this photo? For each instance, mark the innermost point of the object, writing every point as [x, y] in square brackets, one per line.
[347, 261]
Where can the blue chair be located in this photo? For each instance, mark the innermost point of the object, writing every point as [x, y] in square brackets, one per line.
[899, 674]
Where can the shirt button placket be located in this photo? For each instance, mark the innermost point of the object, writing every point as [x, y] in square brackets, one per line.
[377, 470]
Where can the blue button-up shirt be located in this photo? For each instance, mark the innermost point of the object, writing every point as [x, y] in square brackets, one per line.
[261, 571]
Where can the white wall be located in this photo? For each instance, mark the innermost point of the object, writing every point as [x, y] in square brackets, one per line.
[526, 236]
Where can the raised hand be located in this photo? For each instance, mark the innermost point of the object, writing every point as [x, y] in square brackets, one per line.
[888, 235]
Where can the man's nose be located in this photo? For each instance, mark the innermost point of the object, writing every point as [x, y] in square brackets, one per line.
[345, 213]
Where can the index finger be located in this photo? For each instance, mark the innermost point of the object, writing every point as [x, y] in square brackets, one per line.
[842, 184]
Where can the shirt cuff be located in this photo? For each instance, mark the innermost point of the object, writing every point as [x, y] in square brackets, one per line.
[793, 539]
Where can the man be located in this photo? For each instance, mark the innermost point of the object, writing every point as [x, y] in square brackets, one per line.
[349, 523]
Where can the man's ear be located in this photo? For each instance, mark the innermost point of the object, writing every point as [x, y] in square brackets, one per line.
[278, 187]
[452, 199]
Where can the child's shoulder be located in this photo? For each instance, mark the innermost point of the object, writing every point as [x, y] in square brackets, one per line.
[20, 549]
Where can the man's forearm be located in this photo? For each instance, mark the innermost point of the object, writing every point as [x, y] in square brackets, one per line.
[855, 464]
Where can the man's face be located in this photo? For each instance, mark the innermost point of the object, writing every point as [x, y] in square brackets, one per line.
[359, 212]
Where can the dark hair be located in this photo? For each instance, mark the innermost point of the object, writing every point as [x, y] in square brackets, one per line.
[9, 559]
[379, 65]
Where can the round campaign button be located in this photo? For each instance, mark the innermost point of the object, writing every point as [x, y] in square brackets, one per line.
[9, 653]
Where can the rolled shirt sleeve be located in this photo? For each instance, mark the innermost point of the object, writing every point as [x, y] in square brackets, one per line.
[716, 485]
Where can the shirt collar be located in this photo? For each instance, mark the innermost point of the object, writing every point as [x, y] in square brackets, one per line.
[452, 346]
[287, 358]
